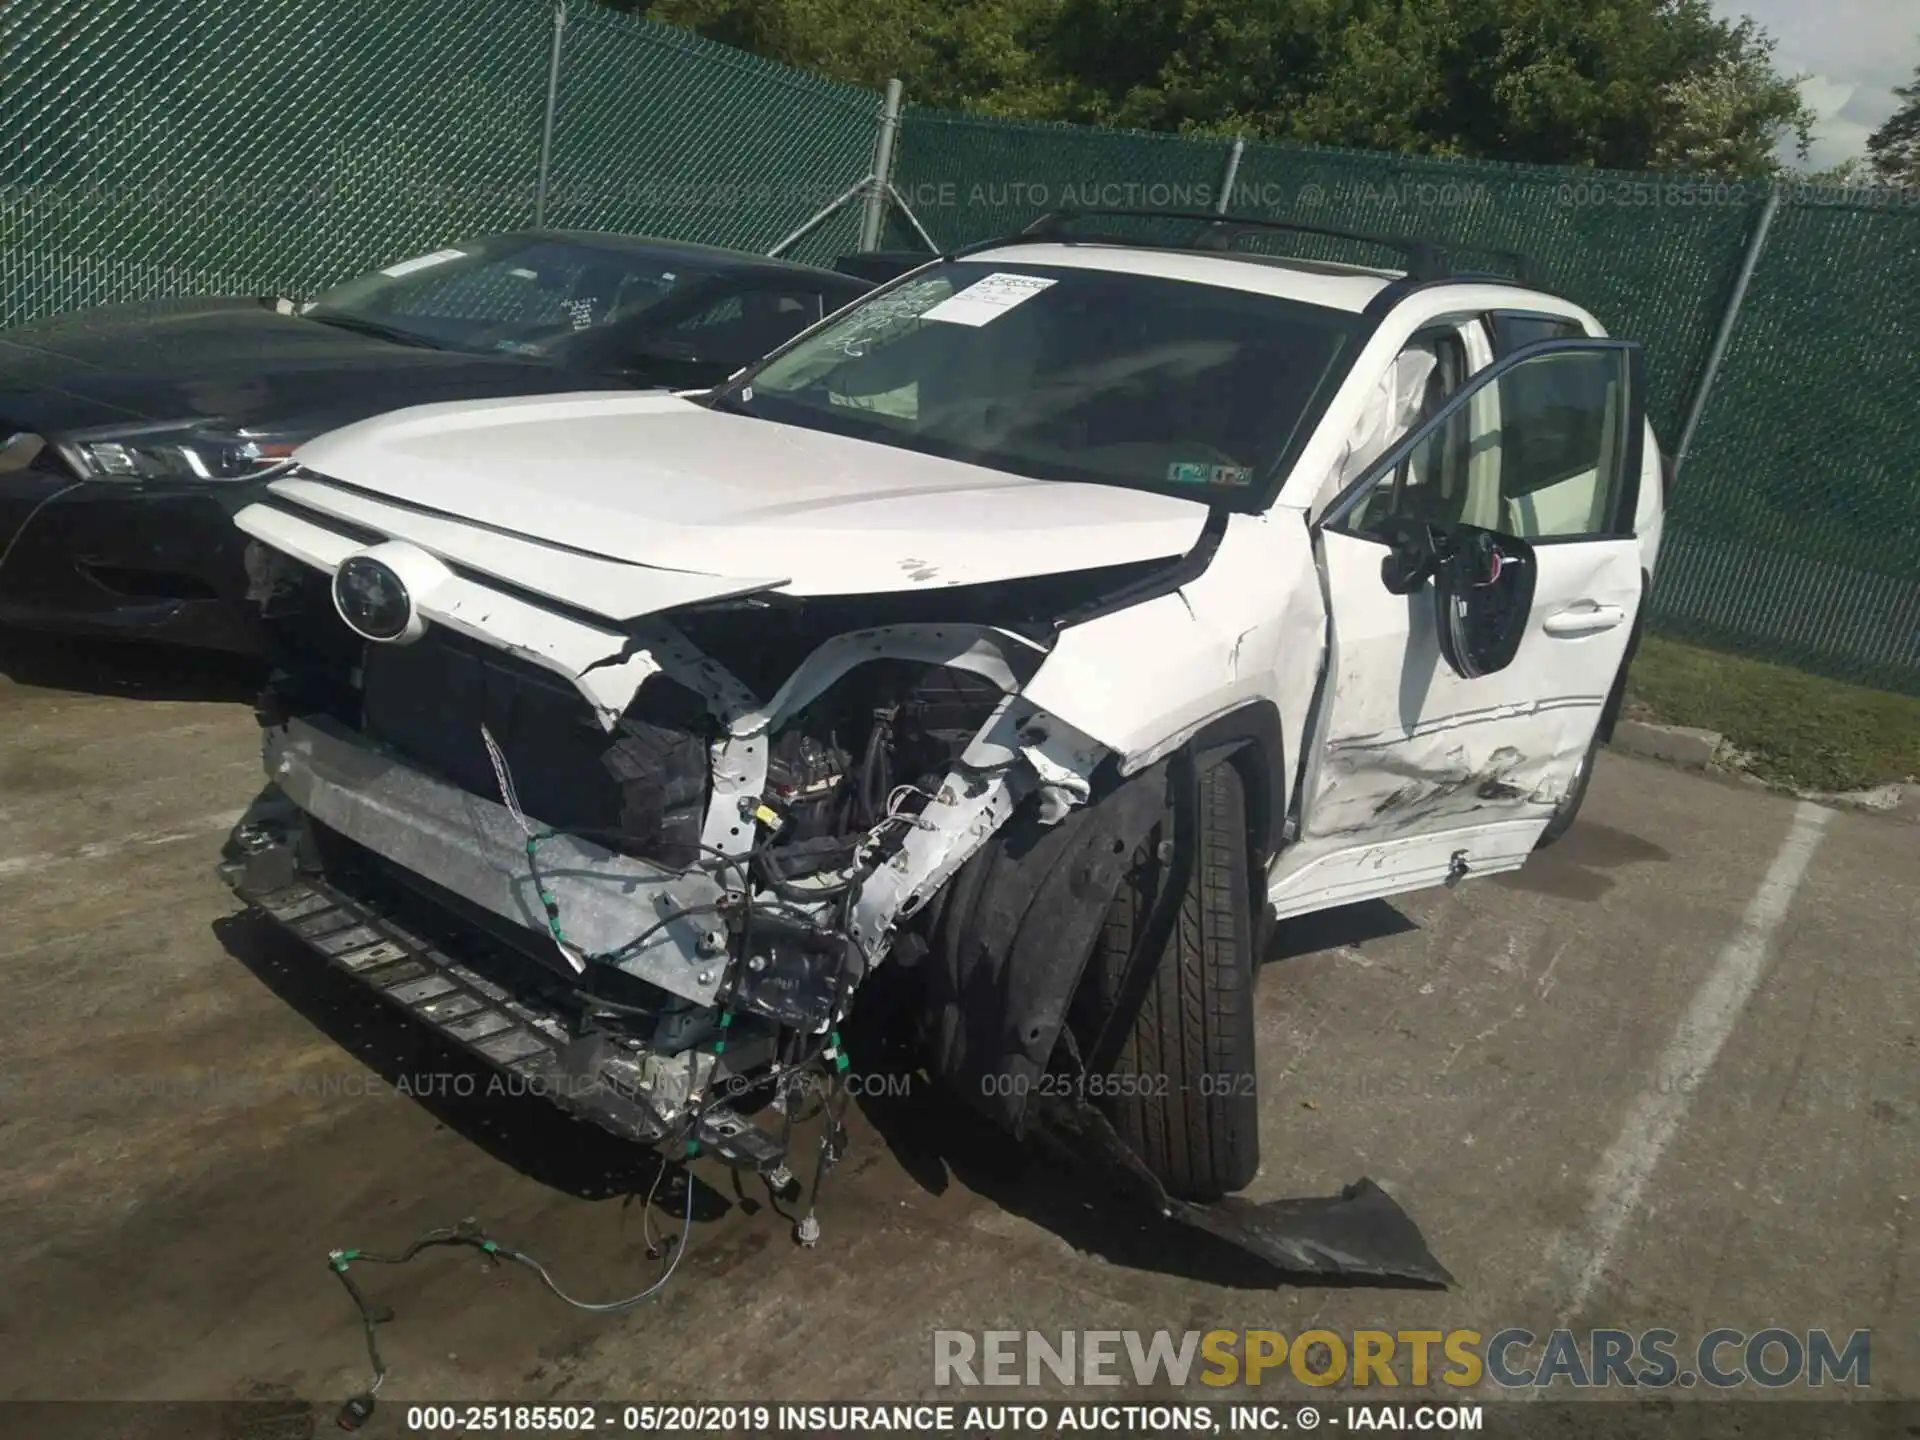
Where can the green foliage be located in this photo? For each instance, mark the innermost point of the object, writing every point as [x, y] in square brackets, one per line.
[1895, 147]
[1625, 84]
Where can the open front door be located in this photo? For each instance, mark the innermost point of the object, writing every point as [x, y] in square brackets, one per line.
[1482, 580]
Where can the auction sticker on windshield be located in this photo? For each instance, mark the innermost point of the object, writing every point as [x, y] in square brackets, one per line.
[987, 299]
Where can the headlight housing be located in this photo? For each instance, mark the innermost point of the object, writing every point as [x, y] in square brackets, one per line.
[179, 453]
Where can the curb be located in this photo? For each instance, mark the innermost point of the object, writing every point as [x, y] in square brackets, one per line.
[1692, 749]
[1895, 802]
[1680, 745]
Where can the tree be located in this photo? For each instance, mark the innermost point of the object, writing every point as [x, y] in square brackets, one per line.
[1633, 84]
[1894, 149]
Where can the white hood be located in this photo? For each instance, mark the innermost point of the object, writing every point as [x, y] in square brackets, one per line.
[658, 481]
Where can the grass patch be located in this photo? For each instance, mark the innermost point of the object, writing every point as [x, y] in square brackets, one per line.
[1800, 730]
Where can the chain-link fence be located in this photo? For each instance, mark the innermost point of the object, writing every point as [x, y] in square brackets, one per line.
[273, 149]
[661, 133]
[1796, 528]
[212, 147]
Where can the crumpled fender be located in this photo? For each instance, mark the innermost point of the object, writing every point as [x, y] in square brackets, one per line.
[1012, 932]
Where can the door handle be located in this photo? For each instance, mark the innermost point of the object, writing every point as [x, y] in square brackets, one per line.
[1583, 618]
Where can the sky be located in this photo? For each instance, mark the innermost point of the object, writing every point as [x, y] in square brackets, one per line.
[1853, 51]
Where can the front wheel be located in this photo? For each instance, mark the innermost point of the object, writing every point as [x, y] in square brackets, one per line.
[1181, 1091]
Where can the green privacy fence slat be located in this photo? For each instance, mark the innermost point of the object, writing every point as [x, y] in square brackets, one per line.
[970, 178]
[211, 147]
[207, 146]
[1812, 439]
[1797, 521]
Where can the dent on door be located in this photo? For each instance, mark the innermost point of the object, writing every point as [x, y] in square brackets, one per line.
[1468, 666]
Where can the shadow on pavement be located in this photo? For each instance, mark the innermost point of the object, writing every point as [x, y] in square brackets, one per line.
[525, 1131]
[1333, 928]
[1575, 869]
[126, 668]
[940, 1142]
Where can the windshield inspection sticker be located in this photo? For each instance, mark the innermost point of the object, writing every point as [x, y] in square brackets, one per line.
[987, 299]
[1193, 473]
[421, 262]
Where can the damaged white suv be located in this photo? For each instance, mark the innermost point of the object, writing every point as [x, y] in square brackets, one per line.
[1041, 626]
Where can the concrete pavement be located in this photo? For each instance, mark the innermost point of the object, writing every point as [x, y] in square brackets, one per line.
[1668, 1075]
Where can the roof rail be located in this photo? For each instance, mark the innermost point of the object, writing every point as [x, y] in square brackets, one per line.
[1425, 259]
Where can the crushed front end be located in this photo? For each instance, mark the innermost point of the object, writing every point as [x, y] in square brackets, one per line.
[641, 867]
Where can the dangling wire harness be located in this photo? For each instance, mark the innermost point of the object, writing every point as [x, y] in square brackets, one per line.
[830, 1049]
[467, 1233]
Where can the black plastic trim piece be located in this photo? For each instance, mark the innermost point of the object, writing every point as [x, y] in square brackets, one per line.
[1426, 259]
[1254, 728]
[1183, 571]
[1617, 697]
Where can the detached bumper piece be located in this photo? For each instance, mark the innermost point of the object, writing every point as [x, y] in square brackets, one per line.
[1359, 1234]
[528, 1042]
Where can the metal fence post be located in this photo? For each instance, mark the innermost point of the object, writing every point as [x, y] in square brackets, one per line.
[553, 104]
[1709, 372]
[873, 213]
[1233, 171]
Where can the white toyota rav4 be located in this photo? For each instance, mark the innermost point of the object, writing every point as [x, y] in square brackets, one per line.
[1040, 628]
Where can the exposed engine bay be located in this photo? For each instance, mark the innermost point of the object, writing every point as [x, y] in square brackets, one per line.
[705, 880]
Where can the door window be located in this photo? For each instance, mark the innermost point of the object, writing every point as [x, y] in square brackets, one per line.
[1515, 330]
[1538, 448]
[1417, 386]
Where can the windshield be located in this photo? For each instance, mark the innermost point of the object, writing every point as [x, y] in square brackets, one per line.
[513, 294]
[1068, 374]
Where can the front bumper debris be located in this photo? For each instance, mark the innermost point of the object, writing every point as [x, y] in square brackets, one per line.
[515, 1032]
[1359, 1234]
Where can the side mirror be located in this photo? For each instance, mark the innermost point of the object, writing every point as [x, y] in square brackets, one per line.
[1483, 594]
[1413, 550]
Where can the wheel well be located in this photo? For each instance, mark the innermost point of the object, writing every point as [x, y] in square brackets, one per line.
[1618, 696]
[1251, 738]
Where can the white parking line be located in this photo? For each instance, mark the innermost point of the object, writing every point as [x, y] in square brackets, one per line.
[1620, 1181]
[11, 865]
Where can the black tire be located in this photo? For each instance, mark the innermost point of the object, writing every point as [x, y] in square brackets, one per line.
[1568, 810]
[1181, 1092]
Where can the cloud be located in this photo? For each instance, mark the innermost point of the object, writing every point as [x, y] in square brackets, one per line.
[1852, 53]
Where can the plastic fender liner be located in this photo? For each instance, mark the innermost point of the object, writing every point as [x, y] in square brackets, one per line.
[1361, 1232]
[1011, 933]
